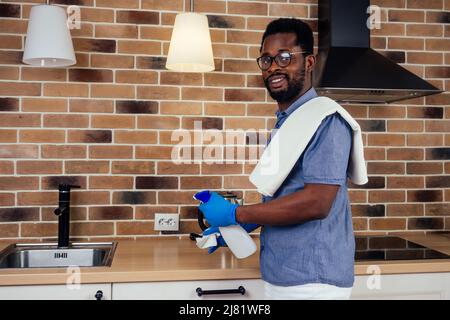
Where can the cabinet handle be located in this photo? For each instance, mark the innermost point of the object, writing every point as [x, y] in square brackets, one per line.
[201, 292]
[99, 295]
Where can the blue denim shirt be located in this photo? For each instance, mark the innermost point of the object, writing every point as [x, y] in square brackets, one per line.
[317, 251]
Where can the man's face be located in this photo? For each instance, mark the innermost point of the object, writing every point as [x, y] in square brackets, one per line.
[284, 83]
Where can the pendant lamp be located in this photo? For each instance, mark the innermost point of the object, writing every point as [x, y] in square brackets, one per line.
[48, 42]
[190, 47]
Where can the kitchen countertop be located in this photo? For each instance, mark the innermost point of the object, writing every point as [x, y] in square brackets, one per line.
[178, 258]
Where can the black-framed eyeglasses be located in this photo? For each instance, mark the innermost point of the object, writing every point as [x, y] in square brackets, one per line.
[282, 59]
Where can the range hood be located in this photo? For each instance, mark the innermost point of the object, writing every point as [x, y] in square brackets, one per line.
[348, 70]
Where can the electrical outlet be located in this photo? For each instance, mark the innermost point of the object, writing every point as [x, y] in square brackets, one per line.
[166, 221]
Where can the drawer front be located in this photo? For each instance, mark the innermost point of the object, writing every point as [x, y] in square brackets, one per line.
[417, 286]
[187, 290]
[56, 292]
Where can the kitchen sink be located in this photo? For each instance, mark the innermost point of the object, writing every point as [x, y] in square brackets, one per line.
[48, 255]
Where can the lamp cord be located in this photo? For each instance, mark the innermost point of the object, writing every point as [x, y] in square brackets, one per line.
[191, 5]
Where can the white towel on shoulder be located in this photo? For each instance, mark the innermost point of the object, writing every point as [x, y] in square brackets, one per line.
[291, 139]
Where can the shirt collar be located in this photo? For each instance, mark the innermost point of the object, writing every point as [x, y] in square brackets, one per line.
[308, 95]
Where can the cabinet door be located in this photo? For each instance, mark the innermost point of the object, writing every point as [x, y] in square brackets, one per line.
[56, 292]
[186, 290]
[417, 286]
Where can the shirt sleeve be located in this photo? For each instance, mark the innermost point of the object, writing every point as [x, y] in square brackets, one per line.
[326, 158]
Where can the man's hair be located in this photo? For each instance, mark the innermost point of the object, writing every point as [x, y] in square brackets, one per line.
[305, 38]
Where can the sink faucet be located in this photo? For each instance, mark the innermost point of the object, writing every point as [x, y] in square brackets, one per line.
[63, 213]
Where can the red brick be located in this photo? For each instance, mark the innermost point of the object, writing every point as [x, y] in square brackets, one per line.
[66, 90]
[19, 151]
[91, 166]
[405, 125]
[158, 92]
[19, 183]
[424, 167]
[204, 182]
[181, 108]
[112, 91]
[42, 74]
[387, 224]
[117, 3]
[158, 122]
[9, 73]
[112, 61]
[66, 120]
[37, 198]
[386, 140]
[386, 196]
[140, 47]
[405, 209]
[135, 137]
[8, 135]
[243, 8]
[174, 5]
[20, 120]
[405, 154]
[424, 30]
[94, 106]
[406, 16]
[181, 78]
[224, 109]
[7, 199]
[63, 151]
[42, 136]
[20, 89]
[10, 42]
[135, 228]
[207, 94]
[111, 152]
[141, 77]
[9, 230]
[153, 152]
[89, 197]
[425, 139]
[112, 121]
[133, 167]
[288, 10]
[108, 182]
[224, 80]
[406, 43]
[39, 167]
[405, 182]
[6, 167]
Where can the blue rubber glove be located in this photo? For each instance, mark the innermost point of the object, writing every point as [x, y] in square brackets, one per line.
[249, 227]
[220, 241]
[218, 211]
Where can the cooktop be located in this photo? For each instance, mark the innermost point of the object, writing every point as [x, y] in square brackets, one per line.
[392, 248]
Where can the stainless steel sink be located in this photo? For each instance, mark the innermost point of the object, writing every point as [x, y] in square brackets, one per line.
[48, 255]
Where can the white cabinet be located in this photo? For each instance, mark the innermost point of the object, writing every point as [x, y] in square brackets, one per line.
[390, 287]
[186, 290]
[56, 292]
[415, 286]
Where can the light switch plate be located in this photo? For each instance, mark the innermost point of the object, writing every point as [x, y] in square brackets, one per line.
[167, 221]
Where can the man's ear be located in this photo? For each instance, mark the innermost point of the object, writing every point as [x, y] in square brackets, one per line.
[310, 63]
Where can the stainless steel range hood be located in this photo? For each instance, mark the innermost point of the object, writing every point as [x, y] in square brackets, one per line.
[348, 70]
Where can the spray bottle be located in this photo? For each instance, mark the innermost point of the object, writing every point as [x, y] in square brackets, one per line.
[237, 239]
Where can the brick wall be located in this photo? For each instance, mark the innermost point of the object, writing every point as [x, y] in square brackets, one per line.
[106, 123]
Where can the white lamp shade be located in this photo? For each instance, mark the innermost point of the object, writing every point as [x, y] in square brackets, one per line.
[48, 42]
[190, 48]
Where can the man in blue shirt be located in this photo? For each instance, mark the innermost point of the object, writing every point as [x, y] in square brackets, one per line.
[307, 241]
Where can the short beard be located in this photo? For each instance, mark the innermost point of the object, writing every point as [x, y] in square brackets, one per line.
[295, 86]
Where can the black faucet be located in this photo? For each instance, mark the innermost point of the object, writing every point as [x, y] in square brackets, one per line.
[63, 213]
